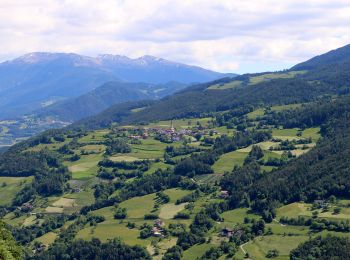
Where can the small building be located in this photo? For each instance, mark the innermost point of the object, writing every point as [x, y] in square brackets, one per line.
[135, 137]
[157, 232]
[159, 223]
[224, 194]
[39, 248]
[227, 232]
[26, 207]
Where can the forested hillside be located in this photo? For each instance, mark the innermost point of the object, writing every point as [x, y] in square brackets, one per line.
[105, 96]
[294, 86]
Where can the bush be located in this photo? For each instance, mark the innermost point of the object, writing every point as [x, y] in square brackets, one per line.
[150, 216]
[272, 253]
[182, 215]
[121, 213]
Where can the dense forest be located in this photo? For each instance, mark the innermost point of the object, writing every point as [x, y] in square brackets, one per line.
[112, 250]
[8, 246]
[329, 247]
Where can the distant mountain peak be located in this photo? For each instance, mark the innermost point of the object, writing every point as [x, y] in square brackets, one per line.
[42, 57]
[35, 57]
[112, 57]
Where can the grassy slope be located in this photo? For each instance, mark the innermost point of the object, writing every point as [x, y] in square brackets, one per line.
[10, 186]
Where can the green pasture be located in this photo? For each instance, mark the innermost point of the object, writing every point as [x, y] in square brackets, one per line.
[169, 210]
[10, 186]
[86, 167]
[208, 178]
[285, 107]
[157, 165]
[227, 161]
[296, 209]
[280, 229]
[256, 113]
[94, 136]
[259, 247]
[82, 198]
[314, 133]
[113, 229]
[139, 206]
[230, 85]
[289, 132]
[121, 158]
[277, 75]
[47, 239]
[52, 146]
[148, 149]
[236, 216]
[176, 194]
[97, 148]
[196, 251]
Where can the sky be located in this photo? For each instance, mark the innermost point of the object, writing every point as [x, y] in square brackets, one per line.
[224, 35]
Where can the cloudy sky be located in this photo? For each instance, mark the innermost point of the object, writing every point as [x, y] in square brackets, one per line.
[224, 35]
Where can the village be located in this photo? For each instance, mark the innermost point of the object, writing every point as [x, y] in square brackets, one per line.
[169, 134]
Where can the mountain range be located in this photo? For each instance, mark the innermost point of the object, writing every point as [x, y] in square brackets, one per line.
[37, 80]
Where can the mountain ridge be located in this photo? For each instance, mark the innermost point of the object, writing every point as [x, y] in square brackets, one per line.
[101, 98]
[36, 78]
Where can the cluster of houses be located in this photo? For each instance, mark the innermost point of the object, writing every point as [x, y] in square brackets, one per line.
[157, 229]
[170, 133]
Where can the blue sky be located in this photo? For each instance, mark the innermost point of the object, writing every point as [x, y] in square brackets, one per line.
[224, 35]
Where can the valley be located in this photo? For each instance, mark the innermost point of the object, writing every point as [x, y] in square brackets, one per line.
[102, 170]
[248, 167]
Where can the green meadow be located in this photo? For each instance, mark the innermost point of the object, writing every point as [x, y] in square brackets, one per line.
[10, 186]
[227, 161]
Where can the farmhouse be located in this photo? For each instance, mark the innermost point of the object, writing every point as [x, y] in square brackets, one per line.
[157, 232]
[157, 229]
[224, 194]
[227, 232]
[26, 207]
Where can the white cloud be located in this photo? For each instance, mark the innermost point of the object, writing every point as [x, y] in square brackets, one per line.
[227, 35]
